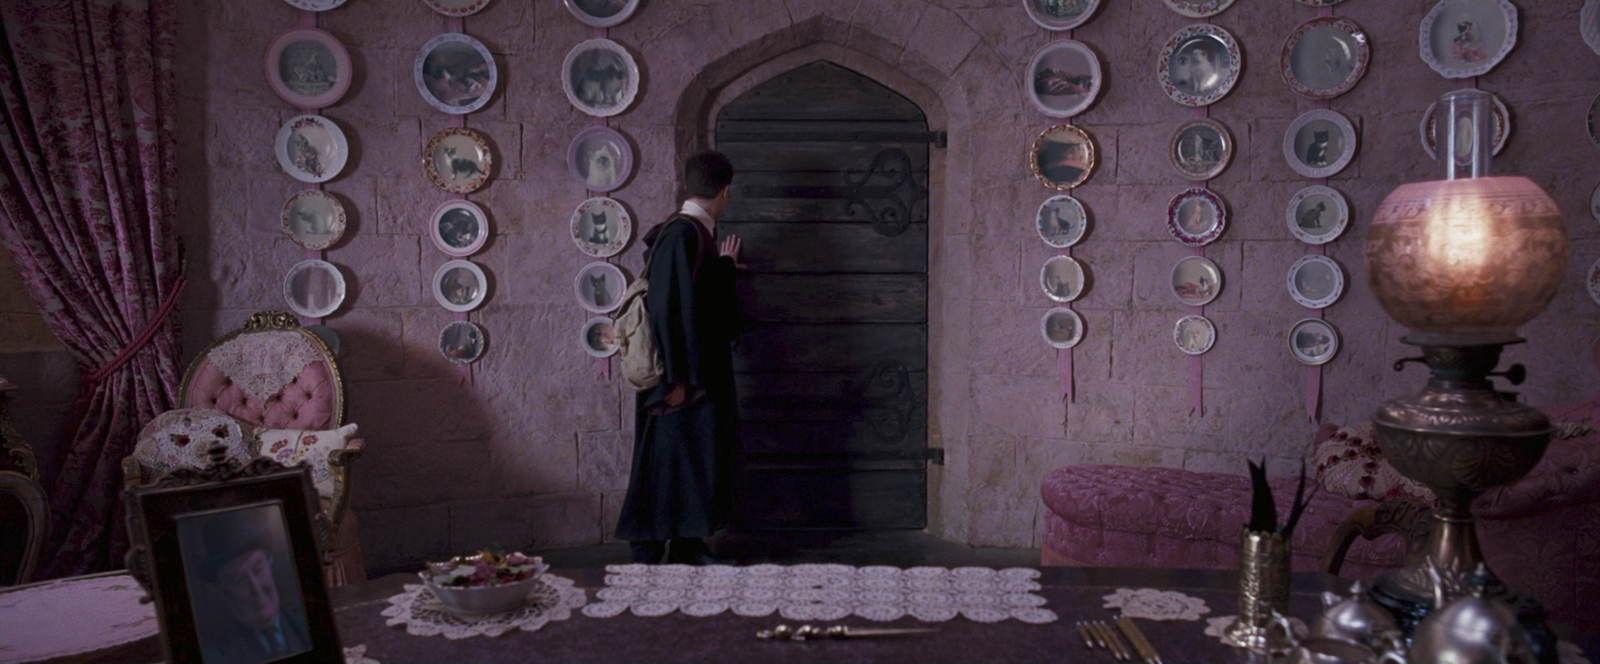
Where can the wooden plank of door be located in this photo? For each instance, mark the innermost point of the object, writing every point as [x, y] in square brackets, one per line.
[799, 498]
[822, 348]
[828, 247]
[833, 298]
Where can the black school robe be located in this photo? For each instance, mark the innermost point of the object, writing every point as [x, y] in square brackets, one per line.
[680, 484]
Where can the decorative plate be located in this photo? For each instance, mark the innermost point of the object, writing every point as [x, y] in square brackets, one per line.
[1317, 214]
[1594, 120]
[460, 285]
[1316, 281]
[455, 73]
[600, 77]
[1313, 341]
[1062, 327]
[1194, 334]
[1060, 14]
[308, 68]
[314, 219]
[601, 227]
[599, 287]
[1594, 203]
[1062, 157]
[1196, 217]
[1064, 78]
[1061, 221]
[461, 342]
[1319, 143]
[1589, 24]
[311, 148]
[601, 13]
[1196, 281]
[456, 7]
[1502, 126]
[1594, 281]
[314, 5]
[1199, 65]
[1462, 38]
[458, 160]
[1198, 8]
[1201, 149]
[313, 288]
[598, 337]
[1325, 57]
[1062, 278]
[600, 159]
[459, 228]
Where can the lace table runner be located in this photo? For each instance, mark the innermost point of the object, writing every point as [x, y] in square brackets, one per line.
[551, 600]
[821, 592]
[73, 616]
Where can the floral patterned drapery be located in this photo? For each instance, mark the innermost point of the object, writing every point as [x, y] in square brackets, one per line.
[86, 191]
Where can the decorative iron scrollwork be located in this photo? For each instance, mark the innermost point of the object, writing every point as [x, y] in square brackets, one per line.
[889, 401]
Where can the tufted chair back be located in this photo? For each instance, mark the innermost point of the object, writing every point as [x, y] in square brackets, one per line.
[243, 374]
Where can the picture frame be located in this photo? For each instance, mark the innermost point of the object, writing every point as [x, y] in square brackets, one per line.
[1430, 118]
[1196, 281]
[1064, 78]
[600, 159]
[458, 160]
[455, 73]
[1319, 143]
[315, 5]
[461, 342]
[1199, 65]
[314, 288]
[1317, 214]
[1589, 24]
[1592, 282]
[601, 13]
[1325, 57]
[1316, 281]
[1062, 278]
[456, 8]
[1194, 334]
[601, 227]
[1196, 217]
[599, 286]
[598, 337]
[224, 548]
[1197, 8]
[313, 218]
[311, 148]
[1465, 38]
[458, 228]
[1313, 341]
[1594, 203]
[1061, 327]
[1057, 15]
[1062, 157]
[1593, 121]
[1061, 221]
[600, 77]
[308, 67]
[1200, 149]
[460, 285]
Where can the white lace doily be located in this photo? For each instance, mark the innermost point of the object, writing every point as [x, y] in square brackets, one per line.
[1152, 604]
[423, 615]
[821, 592]
[358, 655]
[1216, 626]
[262, 363]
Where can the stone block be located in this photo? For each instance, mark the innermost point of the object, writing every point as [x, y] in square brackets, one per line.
[381, 143]
[413, 411]
[1264, 287]
[404, 26]
[944, 41]
[404, 536]
[415, 338]
[1142, 156]
[368, 351]
[1007, 521]
[382, 271]
[1108, 268]
[513, 27]
[373, 79]
[604, 460]
[996, 270]
[534, 457]
[1142, 349]
[610, 513]
[1018, 406]
[525, 522]
[1010, 343]
[245, 142]
[393, 473]
[406, 201]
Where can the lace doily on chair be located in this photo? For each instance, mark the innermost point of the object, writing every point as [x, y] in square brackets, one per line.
[822, 592]
[423, 615]
[261, 363]
[1152, 604]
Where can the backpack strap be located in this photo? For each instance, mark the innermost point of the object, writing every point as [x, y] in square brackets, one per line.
[700, 233]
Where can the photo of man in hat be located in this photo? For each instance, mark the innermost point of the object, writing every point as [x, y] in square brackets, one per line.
[248, 616]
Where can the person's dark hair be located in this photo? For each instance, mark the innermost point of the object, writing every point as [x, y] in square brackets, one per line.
[225, 539]
[706, 173]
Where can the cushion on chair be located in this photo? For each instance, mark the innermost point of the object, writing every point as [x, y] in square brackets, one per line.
[179, 439]
[292, 447]
[1349, 463]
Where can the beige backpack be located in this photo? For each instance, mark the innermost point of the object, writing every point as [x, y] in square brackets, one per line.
[641, 363]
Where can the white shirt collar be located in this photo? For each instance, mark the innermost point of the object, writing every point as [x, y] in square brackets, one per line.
[698, 211]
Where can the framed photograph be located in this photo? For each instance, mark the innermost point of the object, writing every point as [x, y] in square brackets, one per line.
[311, 148]
[460, 285]
[1197, 8]
[1463, 38]
[1593, 122]
[600, 159]
[456, 7]
[308, 68]
[601, 13]
[1196, 217]
[314, 288]
[1589, 24]
[1319, 143]
[234, 565]
[1313, 341]
[1316, 281]
[1430, 119]
[599, 286]
[1201, 149]
[1064, 78]
[1594, 203]
[1199, 65]
[314, 5]
[1060, 14]
[1196, 281]
[1317, 214]
[1062, 278]
[1062, 157]
[601, 227]
[600, 77]
[459, 228]
[1325, 57]
[313, 218]
[1593, 282]
[455, 73]
[1194, 334]
[461, 342]
[458, 160]
[1061, 221]
[598, 337]
[1062, 327]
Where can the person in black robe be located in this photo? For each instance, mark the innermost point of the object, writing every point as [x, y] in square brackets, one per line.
[679, 489]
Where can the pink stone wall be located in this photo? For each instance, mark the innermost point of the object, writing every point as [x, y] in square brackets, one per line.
[532, 451]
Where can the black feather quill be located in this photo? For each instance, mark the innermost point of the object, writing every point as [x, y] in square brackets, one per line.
[1263, 511]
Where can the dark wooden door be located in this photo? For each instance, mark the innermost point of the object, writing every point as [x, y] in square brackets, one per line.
[830, 197]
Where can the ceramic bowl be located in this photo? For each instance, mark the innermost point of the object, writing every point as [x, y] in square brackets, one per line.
[462, 591]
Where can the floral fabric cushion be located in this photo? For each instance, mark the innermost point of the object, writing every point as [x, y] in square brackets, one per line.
[292, 447]
[179, 439]
[1350, 464]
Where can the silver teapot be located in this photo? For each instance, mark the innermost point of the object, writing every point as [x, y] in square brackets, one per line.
[1356, 618]
[1470, 629]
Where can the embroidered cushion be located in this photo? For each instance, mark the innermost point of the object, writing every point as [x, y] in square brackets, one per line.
[292, 447]
[1350, 464]
[179, 439]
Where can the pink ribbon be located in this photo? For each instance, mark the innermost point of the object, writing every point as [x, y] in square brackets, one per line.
[1197, 366]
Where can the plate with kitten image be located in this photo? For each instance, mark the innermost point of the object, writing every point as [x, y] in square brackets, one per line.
[601, 227]
[311, 148]
[599, 287]
[455, 73]
[460, 285]
[1319, 143]
[458, 160]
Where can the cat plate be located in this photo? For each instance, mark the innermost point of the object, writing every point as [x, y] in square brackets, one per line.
[1199, 65]
[1194, 334]
[1062, 278]
[1060, 14]
[455, 73]
[311, 148]
[1196, 217]
[308, 68]
[1464, 38]
[1062, 327]
[458, 160]
[1319, 143]
[457, 7]
[598, 337]
[314, 288]
[1317, 214]
[1196, 281]
[601, 227]
[1502, 125]
[459, 228]
[1316, 281]
[461, 342]
[314, 219]
[1325, 57]
[1589, 24]
[600, 159]
[1061, 221]
[599, 286]
[1062, 157]
[1198, 8]
[601, 13]
[460, 285]
[600, 77]
[1313, 341]
[1064, 78]
[1201, 149]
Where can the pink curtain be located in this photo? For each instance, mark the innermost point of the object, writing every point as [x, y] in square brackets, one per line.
[86, 188]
